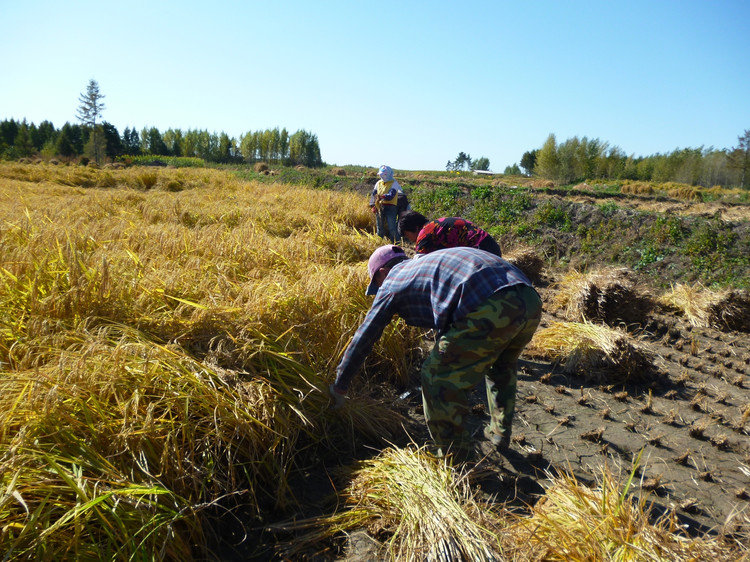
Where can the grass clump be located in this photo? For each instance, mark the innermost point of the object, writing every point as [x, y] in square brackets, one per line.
[637, 188]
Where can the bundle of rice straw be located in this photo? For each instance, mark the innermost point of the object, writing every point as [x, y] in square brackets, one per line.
[527, 260]
[598, 353]
[424, 508]
[575, 522]
[725, 310]
[609, 295]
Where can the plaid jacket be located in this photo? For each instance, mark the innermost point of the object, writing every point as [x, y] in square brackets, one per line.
[432, 291]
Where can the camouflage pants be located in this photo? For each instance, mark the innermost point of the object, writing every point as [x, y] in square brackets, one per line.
[485, 343]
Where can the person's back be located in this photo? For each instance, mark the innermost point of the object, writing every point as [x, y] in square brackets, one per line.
[433, 291]
[453, 232]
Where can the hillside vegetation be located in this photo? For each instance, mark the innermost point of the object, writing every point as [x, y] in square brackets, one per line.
[669, 232]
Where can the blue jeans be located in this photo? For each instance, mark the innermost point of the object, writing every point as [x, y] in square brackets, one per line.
[387, 223]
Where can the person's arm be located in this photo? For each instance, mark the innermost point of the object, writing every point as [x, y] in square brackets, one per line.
[378, 317]
[392, 192]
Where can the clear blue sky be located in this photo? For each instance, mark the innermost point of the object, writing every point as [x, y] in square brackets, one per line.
[404, 83]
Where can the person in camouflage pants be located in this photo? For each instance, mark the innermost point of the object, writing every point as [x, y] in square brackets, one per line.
[485, 343]
[484, 309]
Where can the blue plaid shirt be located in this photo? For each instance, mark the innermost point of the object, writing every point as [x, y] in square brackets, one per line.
[429, 292]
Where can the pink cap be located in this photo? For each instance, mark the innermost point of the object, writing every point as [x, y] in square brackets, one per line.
[378, 259]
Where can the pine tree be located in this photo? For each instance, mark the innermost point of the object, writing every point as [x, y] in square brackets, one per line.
[89, 111]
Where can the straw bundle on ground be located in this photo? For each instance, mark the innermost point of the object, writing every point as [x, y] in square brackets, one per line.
[527, 260]
[577, 523]
[610, 295]
[686, 192]
[725, 310]
[598, 353]
[423, 507]
[542, 183]
[637, 188]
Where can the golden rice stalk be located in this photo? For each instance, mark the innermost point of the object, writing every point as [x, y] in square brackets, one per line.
[593, 351]
[156, 436]
[51, 508]
[602, 523]
[420, 502]
[726, 309]
[609, 295]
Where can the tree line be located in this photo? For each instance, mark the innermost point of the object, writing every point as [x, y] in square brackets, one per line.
[20, 139]
[588, 159]
[464, 162]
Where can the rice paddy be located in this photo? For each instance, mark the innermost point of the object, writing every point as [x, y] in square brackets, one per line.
[167, 337]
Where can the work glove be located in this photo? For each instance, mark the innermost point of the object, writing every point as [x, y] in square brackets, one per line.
[338, 397]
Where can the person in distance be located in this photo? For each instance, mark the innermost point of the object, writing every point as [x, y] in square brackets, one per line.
[384, 201]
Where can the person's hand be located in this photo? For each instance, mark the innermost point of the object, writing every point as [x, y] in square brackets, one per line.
[374, 209]
[338, 397]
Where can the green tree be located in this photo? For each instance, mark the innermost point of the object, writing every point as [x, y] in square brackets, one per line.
[739, 159]
[304, 149]
[95, 146]
[153, 143]
[225, 150]
[462, 162]
[43, 134]
[569, 161]
[249, 146]
[131, 142]
[528, 161]
[63, 144]
[547, 163]
[23, 146]
[481, 163]
[284, 144]
[174, 140]
[8, 131]
[89, 111]
[112, 141]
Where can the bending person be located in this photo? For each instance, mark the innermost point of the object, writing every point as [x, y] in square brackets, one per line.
[485, 311]
[445, 232]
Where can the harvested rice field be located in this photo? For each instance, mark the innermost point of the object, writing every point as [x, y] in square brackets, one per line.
[167, 337]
